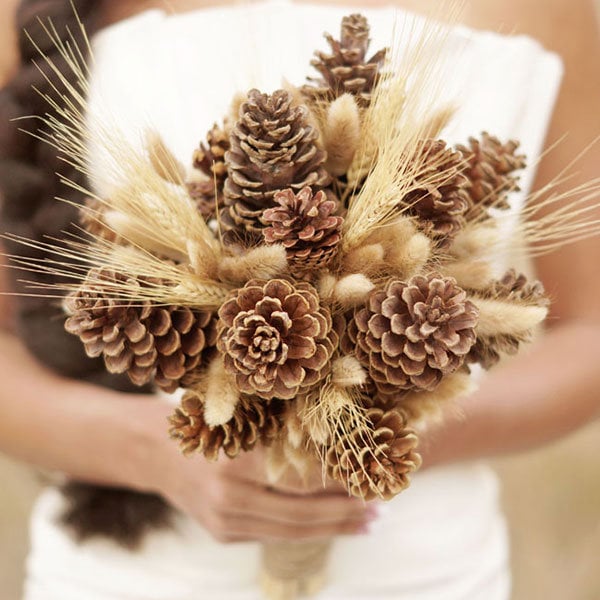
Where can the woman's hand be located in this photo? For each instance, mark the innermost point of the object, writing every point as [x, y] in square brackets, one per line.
[232, 499]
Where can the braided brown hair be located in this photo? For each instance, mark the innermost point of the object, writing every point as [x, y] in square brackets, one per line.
[28, 186]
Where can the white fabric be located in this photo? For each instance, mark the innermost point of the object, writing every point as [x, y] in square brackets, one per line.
[444, 538]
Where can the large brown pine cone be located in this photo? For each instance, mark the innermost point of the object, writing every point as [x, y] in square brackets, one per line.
[254, 420]
[410, 335]
[375, 462]
[346, 69]
[148, 342]
[513, 286]
[273, 147]
[439, 199]
[276, 338]
[490, 168]
[307, 227]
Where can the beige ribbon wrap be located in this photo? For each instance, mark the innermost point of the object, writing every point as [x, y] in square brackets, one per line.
[294, 569]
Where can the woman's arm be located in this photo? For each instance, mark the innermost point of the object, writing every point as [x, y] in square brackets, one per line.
[553, 388]
[8, 42]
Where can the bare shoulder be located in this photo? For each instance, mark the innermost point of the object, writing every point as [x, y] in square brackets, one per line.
[569, 28]
[558, 24]
[8, 40]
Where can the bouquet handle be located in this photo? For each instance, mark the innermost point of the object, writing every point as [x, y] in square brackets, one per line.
[294, 569]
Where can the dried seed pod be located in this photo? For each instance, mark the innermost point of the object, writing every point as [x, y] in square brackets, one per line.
[341, 134]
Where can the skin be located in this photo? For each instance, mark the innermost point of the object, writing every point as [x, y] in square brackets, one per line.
[536, 398]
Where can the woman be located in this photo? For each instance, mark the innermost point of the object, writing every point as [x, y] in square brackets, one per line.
[59, 419]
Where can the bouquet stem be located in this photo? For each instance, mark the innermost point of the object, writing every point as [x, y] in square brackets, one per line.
[294, 569]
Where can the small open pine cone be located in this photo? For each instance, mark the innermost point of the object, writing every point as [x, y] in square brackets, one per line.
[439, 199]
[410, 335]
[306, 225]
[375, 462]
[209, 157]
[513, 286]
[91, 219]
[273, 147]
[276, 338]
[490, 168]
[148, 342]
[254, 420]
[205, 196]
[346, 69]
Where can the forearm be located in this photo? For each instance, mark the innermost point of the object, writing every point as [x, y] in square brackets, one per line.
[547, 392]
[85, 431]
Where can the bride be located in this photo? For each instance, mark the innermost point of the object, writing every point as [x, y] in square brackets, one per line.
[136, 520]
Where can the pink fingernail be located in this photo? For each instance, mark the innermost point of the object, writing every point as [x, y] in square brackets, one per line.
[372, 512]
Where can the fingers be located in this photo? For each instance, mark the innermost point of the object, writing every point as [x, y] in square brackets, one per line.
[250, 467]
[236, 529]
[237, 510]
[234, 503]
[250, 500]
[313, 483]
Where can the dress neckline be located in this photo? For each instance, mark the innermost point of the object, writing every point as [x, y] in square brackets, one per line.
[236, 5]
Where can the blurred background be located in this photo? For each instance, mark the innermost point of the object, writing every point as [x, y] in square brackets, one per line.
[551, 496]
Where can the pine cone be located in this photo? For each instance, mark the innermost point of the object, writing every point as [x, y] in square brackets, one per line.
[209, 157]
[91, 219]
[275, 337]
[272, 148]
[490, 165]
[205, 196]
[346, 69]
[487, 351]
[254, 421]
[377, 462]
[148, 342]
[307, 227]
[439, 200]
[410, 335]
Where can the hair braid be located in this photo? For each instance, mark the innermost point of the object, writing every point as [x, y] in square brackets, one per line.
[28, 187]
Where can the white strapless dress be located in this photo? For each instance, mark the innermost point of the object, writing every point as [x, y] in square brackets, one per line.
[445, 537]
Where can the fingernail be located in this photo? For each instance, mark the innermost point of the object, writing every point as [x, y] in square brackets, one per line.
[364, 529]
[372, 512]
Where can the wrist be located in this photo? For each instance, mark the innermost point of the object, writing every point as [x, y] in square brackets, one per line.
[120, 437]
[152, 451]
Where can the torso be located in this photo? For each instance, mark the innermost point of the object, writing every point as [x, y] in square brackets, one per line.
[117, 10]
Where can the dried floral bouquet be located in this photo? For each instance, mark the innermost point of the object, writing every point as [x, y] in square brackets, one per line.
[319, 282]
